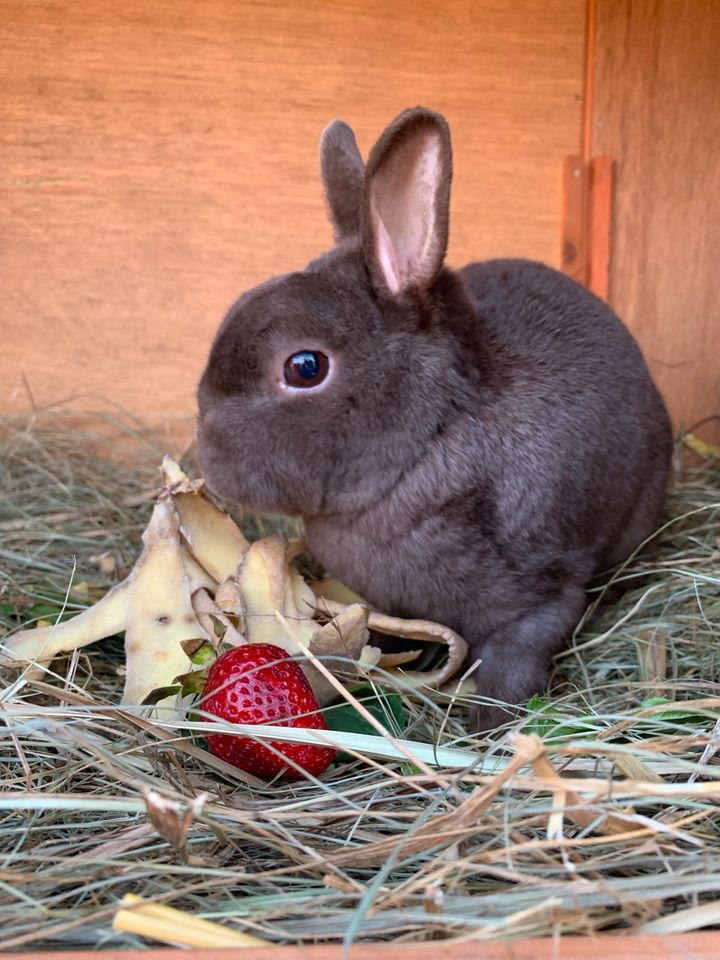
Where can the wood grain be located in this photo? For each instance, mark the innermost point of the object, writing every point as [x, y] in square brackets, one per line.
[657, 113]
[158, 156]
[698, 946]
[599, 224]
[573, 238]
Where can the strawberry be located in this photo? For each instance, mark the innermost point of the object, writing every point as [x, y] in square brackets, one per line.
[256, 683]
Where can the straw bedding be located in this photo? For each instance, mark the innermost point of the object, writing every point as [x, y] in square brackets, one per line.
[600, 814]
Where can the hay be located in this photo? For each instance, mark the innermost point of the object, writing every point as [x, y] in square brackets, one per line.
[609, 824]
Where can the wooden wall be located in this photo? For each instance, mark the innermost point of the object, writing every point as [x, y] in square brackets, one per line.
[158, 156]
[656, 111]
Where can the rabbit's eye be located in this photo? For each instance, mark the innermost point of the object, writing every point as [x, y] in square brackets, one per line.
[308, 368]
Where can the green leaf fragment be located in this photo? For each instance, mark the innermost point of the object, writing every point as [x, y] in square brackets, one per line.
[388, 709]
[193, 682]
[48, 611]
[159, 693]
[200, 651]
[674, 711]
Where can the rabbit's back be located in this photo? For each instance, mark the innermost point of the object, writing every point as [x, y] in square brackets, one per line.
[549, 323]
[582, 422]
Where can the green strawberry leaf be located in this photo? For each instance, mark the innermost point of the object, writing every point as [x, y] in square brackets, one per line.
[159, 693]
[193, 682]
[387, 708]
[200, 651]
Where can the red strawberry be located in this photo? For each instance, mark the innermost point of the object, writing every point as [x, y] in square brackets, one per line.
[256, 683]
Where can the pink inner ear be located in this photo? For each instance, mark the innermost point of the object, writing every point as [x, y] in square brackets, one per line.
[403, 198]
[386, 253]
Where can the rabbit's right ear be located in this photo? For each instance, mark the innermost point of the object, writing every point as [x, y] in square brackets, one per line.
[342, 171]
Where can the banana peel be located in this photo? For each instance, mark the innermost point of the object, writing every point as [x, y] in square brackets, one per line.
[330, 588]
[199, 581]
[213, 538]
[160, 614]
[37, 648]
[153, 606]
[425, 631]
[267, 583]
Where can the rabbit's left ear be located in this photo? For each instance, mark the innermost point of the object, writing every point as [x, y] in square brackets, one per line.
[406, 201]
[342, 171]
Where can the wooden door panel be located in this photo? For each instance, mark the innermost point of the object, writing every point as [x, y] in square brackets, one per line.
[657, 113]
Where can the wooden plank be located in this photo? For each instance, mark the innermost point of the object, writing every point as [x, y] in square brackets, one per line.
[159, 157]
[573, 257]
[699, 946]
[589, 77]
[599, 224]
[657, 113]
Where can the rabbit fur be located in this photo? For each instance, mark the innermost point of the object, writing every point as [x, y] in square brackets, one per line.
[485, 441]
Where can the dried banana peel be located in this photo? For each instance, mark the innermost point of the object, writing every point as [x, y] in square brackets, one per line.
[198, 581]
[160, 615]
[267, 585]
[34, 649]
[426, 631]
[153, 606]
[340, 643]
[330, 588]
[213, 538]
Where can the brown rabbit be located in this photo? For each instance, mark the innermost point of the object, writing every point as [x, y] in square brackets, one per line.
[469, 447]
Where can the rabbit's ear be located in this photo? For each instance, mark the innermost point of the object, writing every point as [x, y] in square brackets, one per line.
[342, 171]
[406, 201]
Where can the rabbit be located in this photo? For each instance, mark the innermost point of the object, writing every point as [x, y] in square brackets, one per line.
[466, 446]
